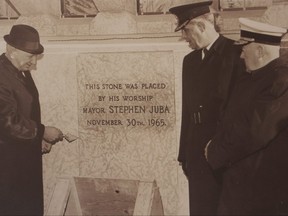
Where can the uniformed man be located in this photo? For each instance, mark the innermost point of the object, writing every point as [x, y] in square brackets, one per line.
[252, 141]
[209, 72]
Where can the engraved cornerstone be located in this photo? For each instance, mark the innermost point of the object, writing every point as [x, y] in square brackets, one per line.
[126, 109]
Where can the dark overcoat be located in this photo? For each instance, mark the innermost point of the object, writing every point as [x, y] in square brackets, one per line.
[21, 132]
[252, 145]
[206, 85]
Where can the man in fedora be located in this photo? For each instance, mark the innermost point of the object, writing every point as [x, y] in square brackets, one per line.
[23, 138]
[252, 140]
[208, 75]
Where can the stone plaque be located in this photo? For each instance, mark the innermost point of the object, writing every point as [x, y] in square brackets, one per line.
[126, 92]
[126, 109]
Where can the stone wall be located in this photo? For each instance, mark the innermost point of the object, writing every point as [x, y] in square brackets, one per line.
[136, 149]
[112, 22]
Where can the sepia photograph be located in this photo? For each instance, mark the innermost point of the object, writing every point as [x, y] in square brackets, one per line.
[143, 107]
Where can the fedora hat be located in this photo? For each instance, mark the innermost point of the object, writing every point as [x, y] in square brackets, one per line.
[25, 38]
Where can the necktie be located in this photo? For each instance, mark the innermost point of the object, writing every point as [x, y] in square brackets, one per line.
[205, 51]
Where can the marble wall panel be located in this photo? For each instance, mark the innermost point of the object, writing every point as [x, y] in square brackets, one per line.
[72, 29]
[45, 24]
[30, 7]
[106, 23]
[155, 27]
[182, 190]
[276, 15]
[116, 5]
[56, 81]
[123, 139]
[5, 29]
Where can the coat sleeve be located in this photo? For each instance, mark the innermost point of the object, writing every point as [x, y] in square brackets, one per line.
[242, 137]
[185, 119]
[13, 125]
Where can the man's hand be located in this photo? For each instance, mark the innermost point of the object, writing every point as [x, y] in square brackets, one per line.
[206, 150]
[52, 135]
[46, 147]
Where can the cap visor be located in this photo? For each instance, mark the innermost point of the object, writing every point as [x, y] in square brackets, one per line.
[242, 42]
[182, 25]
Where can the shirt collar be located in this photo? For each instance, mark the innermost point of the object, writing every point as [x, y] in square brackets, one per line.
[209, 46]
[212, 42]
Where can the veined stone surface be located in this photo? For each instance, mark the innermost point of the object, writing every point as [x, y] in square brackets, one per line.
[106, 23]
[277, 15]
[127, 119]
[45, 24]
[116, 6]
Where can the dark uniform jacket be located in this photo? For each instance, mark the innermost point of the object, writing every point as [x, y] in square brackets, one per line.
[206, 84]
[252, 143]
[21, 131]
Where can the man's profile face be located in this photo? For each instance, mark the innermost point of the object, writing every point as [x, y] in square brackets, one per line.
[249, 54]
[24, 60]
[192, 34]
